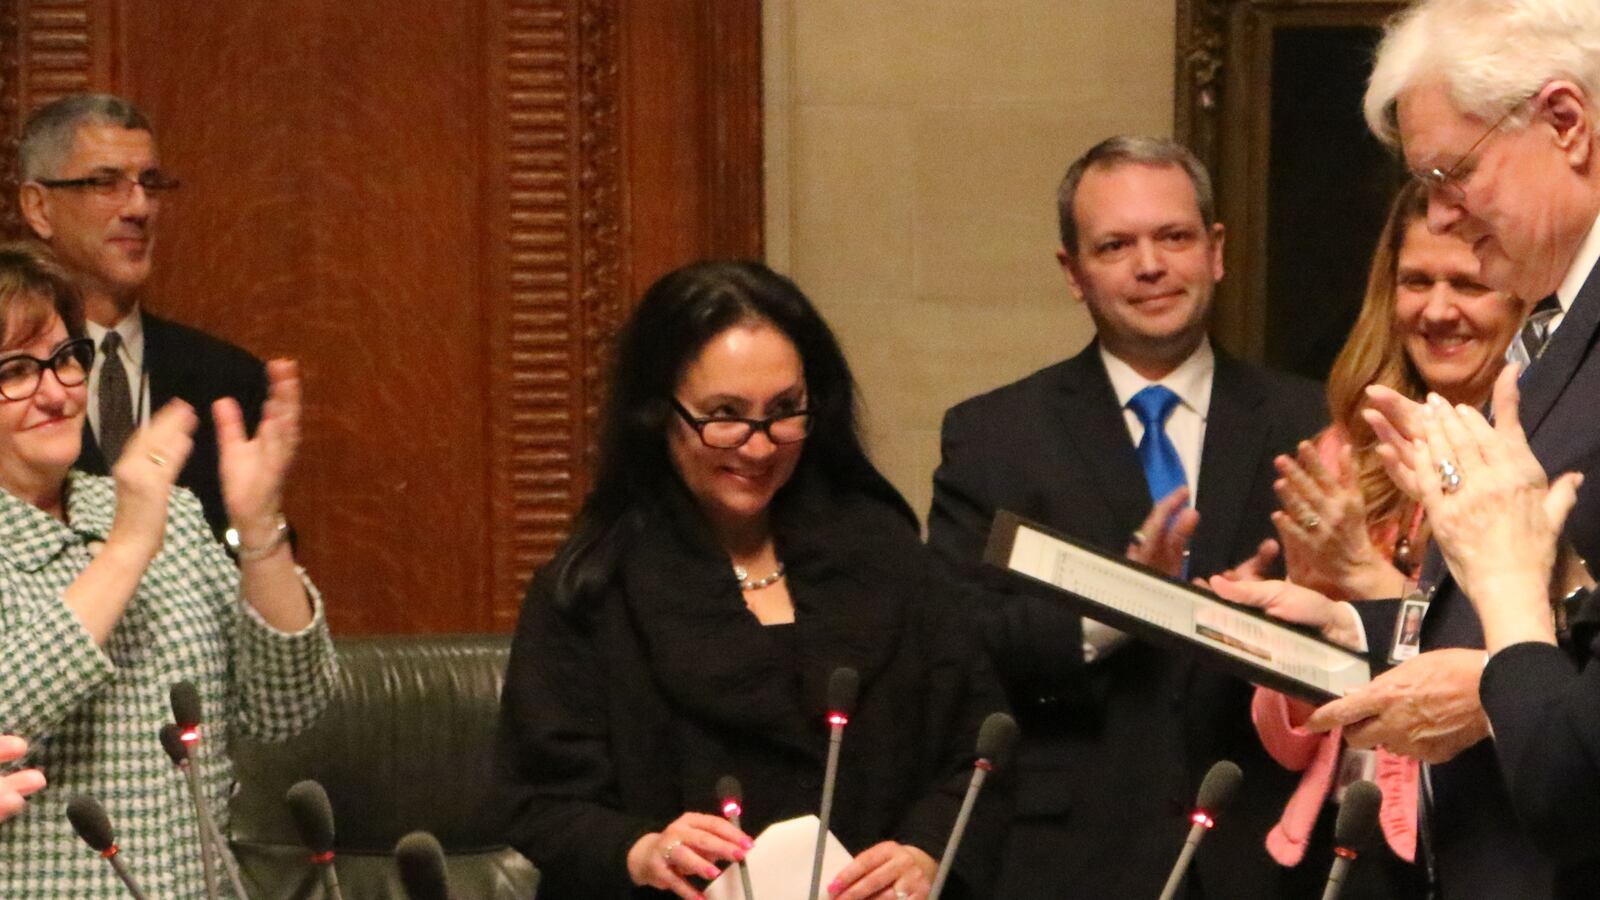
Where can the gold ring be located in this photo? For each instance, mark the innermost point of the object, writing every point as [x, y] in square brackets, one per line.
[156, 458]
[1310, 521]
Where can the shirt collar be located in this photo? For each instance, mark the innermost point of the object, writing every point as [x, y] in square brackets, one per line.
[30, 537]
[1582, 266]
[1191, 380]
[131, 329]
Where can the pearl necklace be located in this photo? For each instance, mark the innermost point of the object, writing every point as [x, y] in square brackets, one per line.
[746, 583]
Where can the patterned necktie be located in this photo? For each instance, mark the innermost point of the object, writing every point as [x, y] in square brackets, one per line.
[1535, 334]
[116, 404]
[1163, 471]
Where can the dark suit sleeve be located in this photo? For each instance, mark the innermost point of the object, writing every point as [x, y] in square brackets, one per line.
[1036, 643]
[554, 757]
[1546, 721]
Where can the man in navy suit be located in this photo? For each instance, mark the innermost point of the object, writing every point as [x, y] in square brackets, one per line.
[1116, 732]
[91, 187]
[1495, 105]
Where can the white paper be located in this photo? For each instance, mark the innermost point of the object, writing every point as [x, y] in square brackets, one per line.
[780, 864]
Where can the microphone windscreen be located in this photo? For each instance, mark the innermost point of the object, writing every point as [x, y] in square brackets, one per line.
[1219, 786]
[996, 737]
[312, 814]
[421, 863]
[89, 820]
[185, 704]
[842, 687]
[1358, 815]
[172, 742]
[728, 788]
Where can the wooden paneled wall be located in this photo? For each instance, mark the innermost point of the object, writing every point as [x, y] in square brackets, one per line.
[443, 208]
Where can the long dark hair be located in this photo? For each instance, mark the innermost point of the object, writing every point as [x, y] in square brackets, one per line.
[677, 317]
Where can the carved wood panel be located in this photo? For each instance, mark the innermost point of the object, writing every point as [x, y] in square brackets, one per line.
[436, 206]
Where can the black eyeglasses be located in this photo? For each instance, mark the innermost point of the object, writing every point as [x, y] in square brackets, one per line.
[20, 375]
[728, 432]
[116, 186]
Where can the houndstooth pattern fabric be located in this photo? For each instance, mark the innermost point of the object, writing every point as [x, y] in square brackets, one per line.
[93, 714]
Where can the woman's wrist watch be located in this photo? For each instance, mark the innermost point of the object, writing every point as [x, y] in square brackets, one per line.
[280, 533]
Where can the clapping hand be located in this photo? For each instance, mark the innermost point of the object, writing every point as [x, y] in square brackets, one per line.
[1323, 527]
[253, 470]
[144, 475]
[16, 786]
[1494, 516]
[1162, 541]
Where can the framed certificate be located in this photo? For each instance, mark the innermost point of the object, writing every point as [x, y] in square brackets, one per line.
[1147, 604]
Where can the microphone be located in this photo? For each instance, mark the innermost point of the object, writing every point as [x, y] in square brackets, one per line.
[843, 686]
[421, 863]
[1216, 792]
[185, 701]
[730, 796]
[996, 737]
[1358, 816]
[89, 820]
[172, 740]
[313, 818]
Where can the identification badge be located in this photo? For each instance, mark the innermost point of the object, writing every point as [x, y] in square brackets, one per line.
[1408, 626]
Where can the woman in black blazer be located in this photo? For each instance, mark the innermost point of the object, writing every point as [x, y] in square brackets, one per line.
[737, 547]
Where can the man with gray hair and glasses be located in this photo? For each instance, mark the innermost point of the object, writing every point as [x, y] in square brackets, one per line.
[1494, 104]
[92, 188]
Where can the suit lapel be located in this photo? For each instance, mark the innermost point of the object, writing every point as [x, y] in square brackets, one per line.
[160, 362]
[1092, 420]
[1230, 461]
[1568, 347]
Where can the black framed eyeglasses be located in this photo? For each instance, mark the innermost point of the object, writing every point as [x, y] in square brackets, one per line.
[1446, 184]
[20, 374]
[116, 186]
[728, 432]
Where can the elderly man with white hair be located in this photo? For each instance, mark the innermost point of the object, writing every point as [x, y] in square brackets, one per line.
[1495, 105]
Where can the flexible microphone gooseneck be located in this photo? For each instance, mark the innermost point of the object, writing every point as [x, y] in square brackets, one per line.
[172, 741]
[996, 737]
[1216, 792]
[730, 798]
[90, 821]
[421, 863]
[1358, 817]
[843, 685]
[313, 819]
[185, 700]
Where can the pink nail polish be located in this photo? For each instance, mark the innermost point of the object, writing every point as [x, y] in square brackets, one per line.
[747, 843]
[710, 872]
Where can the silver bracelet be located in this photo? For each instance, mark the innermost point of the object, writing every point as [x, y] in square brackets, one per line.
[280, 534]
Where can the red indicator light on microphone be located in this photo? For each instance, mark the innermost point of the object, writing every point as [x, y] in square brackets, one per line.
[1201, 817]
[731, 808]
[837, 718]
[1345, 852]
[189, 735]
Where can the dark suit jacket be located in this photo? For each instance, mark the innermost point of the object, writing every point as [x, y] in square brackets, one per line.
[1546, 719]
[1480, 849]
[188, 364]
[1112, 753]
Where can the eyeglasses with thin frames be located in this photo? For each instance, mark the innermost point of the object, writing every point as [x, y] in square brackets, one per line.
[729, 432]
[21, 374]
[115, 187]
[1447, 184]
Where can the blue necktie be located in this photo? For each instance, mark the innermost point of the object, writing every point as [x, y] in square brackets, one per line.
[1163, 471]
